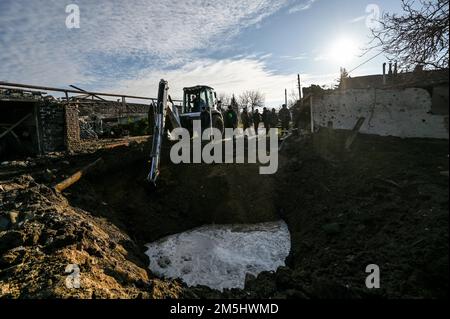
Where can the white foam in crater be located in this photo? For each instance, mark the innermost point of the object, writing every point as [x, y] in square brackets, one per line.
[220, 256]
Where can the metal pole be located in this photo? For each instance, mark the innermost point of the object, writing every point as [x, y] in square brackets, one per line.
[312, 113]
[12, 127]
[285, 96]
[44, 88]
[299, 88]
[93, 95]
[36, 120]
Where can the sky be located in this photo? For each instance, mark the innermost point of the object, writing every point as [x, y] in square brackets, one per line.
[126, 47]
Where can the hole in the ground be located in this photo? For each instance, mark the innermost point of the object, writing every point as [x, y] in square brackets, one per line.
[236, 197]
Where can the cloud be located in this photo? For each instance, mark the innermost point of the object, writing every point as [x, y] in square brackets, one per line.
[305, 5]
[226, 76]
[231, 76]
[357, 19]
[127, 47]
[302, 56]
[116, 38]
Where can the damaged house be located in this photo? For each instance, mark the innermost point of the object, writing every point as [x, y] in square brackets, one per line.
[34, 123]
[406, 105]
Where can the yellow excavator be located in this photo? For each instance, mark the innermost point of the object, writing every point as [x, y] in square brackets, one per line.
[199, 103]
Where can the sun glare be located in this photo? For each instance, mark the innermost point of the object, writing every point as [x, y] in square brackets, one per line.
[343, 51]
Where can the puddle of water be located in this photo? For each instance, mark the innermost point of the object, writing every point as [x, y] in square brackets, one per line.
[220, 256]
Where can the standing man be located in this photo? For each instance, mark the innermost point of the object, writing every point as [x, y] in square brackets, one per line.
[245, 119]
[285, 118]
[266, 120]
[273, 118]
[231, 120]
[256, 120]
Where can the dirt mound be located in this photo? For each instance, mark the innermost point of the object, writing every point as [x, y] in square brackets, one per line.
[383, 203]
[42, 235]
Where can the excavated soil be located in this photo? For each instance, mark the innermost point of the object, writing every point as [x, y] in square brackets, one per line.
[385, 202]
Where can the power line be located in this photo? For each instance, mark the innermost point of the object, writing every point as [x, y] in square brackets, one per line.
[368, 60]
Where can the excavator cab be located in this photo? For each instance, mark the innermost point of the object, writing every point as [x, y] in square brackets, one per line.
[200, 103]
[197, 98]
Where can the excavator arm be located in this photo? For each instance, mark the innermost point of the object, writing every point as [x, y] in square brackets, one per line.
[158, 113]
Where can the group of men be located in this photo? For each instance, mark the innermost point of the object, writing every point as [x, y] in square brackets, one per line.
[270, 119]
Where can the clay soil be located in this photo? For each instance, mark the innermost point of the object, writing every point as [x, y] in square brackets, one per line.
[383, 202]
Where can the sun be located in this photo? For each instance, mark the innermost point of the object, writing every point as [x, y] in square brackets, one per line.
[343, 51]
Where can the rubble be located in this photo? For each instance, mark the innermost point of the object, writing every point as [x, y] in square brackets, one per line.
[46, 235]
[47, 124]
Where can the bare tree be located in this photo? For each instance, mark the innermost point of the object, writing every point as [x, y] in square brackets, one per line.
[417, 37]
[225, 99]
[292, 98]
[234, 105]
[252, 98]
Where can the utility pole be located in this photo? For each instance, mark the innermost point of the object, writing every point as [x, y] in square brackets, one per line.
[285, 96]
[299, 88]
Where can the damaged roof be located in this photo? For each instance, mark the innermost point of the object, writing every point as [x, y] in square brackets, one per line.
[408, 79]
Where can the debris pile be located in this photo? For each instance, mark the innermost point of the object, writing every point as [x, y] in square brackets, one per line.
[87, 131]
[41, 235]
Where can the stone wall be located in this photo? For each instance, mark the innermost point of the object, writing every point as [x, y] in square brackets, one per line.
[72, 127]
[59, 126]
[387, 112]
[51, 118]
